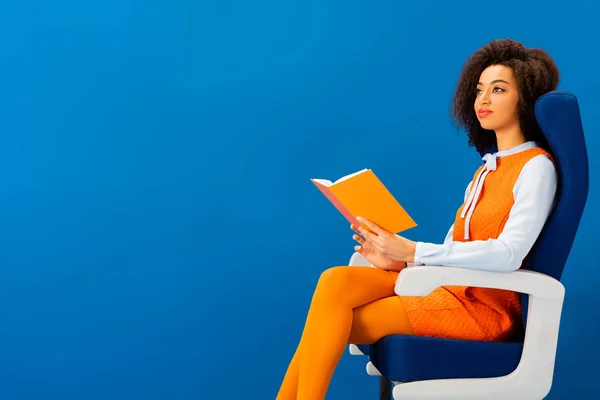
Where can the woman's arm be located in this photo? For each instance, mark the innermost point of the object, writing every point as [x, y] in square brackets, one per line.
[534, 194]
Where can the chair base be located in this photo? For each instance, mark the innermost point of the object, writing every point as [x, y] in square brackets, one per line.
[385, 389]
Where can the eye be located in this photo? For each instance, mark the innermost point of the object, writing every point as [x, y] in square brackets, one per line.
[477, 91]
[499, 89]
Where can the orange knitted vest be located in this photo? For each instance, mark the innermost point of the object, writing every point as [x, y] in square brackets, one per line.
[496, 198]
[475, 313]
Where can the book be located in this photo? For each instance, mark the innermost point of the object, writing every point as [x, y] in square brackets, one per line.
[362, 194]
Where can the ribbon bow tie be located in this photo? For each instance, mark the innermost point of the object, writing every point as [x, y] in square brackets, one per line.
[469, 207]
[490, 162]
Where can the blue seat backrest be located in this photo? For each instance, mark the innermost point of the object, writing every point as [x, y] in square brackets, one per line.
[558, 116]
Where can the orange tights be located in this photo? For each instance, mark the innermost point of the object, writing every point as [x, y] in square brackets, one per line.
[350, 305]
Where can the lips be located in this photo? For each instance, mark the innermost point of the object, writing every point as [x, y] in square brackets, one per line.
[482, 113]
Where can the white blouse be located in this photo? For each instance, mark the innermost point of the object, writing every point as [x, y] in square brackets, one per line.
[534, 195]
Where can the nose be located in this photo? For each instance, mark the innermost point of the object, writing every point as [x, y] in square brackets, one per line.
[484, 99]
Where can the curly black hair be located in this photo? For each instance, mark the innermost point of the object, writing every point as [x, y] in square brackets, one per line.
[535, 73]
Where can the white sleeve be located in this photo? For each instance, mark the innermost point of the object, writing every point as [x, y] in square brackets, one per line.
[534, 194]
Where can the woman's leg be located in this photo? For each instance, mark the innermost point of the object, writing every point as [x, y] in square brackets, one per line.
[289, 386]
[329, 325]
[380, 318]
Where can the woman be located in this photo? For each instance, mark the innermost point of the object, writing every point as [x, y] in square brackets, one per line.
[505, 207]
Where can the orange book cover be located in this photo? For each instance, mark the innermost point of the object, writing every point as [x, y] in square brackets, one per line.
[362, 194]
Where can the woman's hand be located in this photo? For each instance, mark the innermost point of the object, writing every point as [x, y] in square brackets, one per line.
[382, 246]
[368, 251]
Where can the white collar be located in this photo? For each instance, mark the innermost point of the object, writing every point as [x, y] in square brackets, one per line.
[490, 158]
[517, 149]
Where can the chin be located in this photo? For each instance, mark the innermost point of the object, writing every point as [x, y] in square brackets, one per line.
[487, 125]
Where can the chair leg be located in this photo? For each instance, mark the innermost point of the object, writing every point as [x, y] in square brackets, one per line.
[385, 389]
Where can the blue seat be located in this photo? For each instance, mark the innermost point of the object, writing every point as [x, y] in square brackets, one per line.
[433, 358]
[432, 368]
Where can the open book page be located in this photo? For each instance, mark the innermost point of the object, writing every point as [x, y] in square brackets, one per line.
[326, 182]
[323, 182]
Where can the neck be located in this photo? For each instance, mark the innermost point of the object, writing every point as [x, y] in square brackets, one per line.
[509, 137]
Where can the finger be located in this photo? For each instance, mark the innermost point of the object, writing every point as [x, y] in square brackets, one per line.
[372, 237]
[358, 230]
[358, 238]
[369, 235]
[354, 228]
[371, 225]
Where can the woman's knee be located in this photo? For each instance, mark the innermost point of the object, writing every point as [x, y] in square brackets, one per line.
[333, 280]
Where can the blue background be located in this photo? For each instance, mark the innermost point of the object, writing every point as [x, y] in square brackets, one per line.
[160, 236]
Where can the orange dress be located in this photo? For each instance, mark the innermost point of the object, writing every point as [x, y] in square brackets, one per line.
[473, 313]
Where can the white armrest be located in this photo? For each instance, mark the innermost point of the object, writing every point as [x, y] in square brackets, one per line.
[358, 260]
[532, 379]
[422, 280]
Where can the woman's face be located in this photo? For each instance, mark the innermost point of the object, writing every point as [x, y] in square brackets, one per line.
[497, 98]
